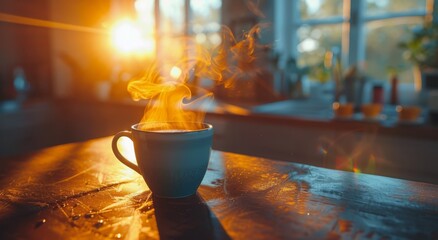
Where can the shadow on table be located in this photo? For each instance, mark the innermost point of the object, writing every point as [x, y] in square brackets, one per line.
[186, 218]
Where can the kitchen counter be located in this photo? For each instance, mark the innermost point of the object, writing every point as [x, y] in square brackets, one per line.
[321, 112]
[81, 191]
[401, 151]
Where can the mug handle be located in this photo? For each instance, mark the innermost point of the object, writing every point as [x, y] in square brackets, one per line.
[119, 156]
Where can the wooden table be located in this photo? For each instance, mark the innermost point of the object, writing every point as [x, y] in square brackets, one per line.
[81, 191]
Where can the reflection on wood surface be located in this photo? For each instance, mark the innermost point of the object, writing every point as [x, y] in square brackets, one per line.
[81, 191]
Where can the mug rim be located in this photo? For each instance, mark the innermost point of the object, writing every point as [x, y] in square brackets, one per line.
[206, 127]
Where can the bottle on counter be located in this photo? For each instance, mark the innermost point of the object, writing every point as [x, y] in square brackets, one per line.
[378, 94]
[394, 90]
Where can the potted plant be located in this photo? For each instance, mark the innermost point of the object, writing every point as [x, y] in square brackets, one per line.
[422, 50]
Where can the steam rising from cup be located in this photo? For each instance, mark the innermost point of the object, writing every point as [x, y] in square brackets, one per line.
[166, 83]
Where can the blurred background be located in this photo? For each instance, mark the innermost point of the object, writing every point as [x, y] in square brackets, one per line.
[65, 66]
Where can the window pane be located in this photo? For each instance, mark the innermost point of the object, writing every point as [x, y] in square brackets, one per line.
[205, 21]
[311, 9]
[145, 15]
[382, 50]
[315, 41]
[204, 12]
[375, 7]
[172, 17]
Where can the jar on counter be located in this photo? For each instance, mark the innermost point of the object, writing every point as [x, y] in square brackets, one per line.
[378, 96]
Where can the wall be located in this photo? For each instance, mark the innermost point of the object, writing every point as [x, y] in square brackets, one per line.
[26, 47]
[80, 59]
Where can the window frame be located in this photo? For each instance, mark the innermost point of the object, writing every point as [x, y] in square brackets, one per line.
[287, 21]
[186, 24]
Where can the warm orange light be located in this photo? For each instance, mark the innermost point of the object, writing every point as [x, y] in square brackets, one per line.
[127, 149]
[127, 38]
[356, 170]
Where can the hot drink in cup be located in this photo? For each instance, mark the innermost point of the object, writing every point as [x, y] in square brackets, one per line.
[172, 157]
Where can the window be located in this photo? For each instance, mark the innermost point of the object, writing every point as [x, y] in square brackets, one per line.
[386, 24]
[205, 21]
[173, 19]
[356, 31]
